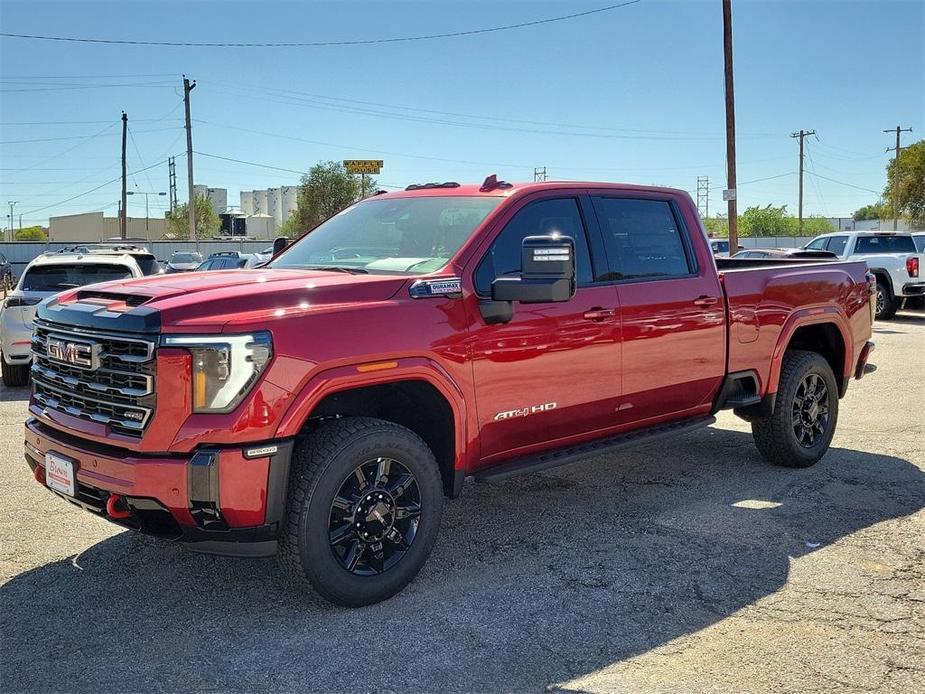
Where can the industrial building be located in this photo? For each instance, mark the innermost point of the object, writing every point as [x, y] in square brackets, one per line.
[93, 226]
[217, 197]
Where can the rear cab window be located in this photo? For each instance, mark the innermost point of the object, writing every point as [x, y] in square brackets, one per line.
[884, 244]
[837, 244]
[57, 278]
[644, 238]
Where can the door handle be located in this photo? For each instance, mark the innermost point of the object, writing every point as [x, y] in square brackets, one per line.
[706, 301]
[598, 314]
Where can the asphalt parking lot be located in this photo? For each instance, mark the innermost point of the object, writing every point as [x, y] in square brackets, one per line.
[682, 566]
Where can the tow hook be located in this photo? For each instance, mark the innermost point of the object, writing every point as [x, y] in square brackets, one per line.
[39, 474]
[112, 509]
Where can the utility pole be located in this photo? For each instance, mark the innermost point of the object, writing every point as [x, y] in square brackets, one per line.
[730, 193]
[703, 196]
[122, 216]
[539, 173]
[12, 218]
[802, 134]
[172, 179]
[896, 149]
[187, 88]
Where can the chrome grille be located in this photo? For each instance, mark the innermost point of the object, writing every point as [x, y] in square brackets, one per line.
[119, 393]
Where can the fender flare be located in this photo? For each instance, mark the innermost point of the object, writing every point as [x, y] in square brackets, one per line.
[882, 271]
[802, 318]
[349, 377]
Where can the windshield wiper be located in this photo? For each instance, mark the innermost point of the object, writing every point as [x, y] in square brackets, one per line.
[339, 268]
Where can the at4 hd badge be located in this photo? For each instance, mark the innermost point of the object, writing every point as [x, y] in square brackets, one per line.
[526, 411]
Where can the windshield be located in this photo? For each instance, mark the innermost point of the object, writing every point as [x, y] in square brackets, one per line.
[186, 258]
[57, 278]
[885, 244]
[398, 236]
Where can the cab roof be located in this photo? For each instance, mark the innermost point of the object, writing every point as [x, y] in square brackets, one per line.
[509, 189]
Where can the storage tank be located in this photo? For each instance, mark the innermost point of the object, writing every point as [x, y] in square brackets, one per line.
[260, 202]
[274, 204]
[290, 201]
[247, 202]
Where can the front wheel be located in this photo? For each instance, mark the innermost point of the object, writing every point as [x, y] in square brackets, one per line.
[364, 508]
[800, 430]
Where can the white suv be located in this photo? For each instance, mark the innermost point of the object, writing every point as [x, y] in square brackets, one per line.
[891, 256]
[44, 277]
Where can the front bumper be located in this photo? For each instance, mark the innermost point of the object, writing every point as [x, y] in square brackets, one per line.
[218, 500]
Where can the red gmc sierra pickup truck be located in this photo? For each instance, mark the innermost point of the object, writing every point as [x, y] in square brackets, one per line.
[320, 408]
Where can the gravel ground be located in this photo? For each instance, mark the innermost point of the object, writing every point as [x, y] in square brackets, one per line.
[689, 566]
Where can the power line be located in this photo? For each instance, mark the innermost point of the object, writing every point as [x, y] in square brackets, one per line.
[87, 192]
[150, 85]
[74, 137]
[319, 44]
[842, 183]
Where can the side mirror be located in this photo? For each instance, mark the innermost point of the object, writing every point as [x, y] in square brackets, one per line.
[279, 244]
[547, 272]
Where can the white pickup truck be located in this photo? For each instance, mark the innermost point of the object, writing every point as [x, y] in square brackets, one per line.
[891, 256]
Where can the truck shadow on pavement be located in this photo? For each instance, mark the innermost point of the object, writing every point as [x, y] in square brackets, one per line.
[533, 581]
[14, 394]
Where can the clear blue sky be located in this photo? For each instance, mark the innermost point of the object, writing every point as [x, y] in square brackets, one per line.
[644, 83]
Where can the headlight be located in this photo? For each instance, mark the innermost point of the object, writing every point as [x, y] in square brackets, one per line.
[225, 367]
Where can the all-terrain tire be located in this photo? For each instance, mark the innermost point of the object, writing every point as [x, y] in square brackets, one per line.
[321, 465]
[14, 375]
[887, 304]
[776, 435]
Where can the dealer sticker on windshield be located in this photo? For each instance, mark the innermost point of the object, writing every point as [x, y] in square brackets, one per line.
[59, 473]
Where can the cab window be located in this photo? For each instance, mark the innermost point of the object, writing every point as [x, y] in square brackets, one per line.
[644, 239]
[817, 244]
[541, 218]
[837, 244]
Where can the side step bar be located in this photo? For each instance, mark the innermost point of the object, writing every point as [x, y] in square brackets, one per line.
[571, 454]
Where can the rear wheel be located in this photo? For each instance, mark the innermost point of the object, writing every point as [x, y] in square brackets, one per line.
[800, 430]
[886, 303]
[14, 375]
[365, 501]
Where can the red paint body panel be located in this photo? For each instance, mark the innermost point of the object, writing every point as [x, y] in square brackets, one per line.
[662, 354]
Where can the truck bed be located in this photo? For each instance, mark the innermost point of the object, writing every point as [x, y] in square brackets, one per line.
[765, 297]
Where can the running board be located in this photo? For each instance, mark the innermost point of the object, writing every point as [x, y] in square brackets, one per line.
[571, 454]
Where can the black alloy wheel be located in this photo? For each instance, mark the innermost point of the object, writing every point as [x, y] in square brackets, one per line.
[374, 517]
[810, 410]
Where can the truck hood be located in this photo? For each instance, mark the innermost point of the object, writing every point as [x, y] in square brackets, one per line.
[215, 301]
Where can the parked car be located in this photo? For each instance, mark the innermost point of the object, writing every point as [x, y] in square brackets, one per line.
[43, 277]
[145, 260]
[228, 260]
[758, 253]
[321, 408]
[6, 272]
[720, 247]
[892, 257]
[183, 261]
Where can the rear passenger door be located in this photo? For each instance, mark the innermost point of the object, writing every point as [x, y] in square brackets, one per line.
[671, 306]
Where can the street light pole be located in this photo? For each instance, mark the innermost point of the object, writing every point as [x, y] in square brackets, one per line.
[11, 203]
[146, 194]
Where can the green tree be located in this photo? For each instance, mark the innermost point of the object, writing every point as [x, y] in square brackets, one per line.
[874, 211]
[207, 222]
[767, 221]
[35, 233]
[813, 226]
[909, 174]
[717, 226]
[325, 190]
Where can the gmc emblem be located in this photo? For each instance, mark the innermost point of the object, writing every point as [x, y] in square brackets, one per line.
[82, 354]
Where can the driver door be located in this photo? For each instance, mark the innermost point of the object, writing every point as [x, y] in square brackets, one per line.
[553, 372]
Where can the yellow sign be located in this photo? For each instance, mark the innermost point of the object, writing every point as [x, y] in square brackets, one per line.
[363, 166]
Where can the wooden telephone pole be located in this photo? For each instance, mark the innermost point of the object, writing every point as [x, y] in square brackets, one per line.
[187, 88]
[730, 193]
[122, 214]
[896, 149]
[802, 134]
